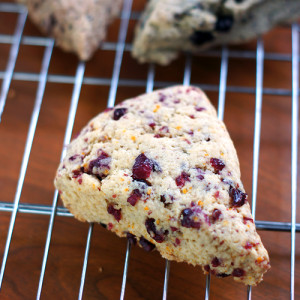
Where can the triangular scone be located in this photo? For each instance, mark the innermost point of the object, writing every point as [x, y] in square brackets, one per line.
[77, 26]
[169, 26]
[161, 169]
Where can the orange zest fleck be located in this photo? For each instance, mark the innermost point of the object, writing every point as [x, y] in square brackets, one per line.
[260, 259]
[157, 107]
[133, 138]
[149, 192]
[126, 189]
[157, 221]
[200, 203]
[146, 208]
[184, 190]
[178, 127]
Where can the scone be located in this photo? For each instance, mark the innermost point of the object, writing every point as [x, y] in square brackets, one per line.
[169, 26]
[162, 170]
[77, 25]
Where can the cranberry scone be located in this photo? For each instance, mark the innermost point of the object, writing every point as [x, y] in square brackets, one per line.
[77, 26]
[162, 170]
[169, 26]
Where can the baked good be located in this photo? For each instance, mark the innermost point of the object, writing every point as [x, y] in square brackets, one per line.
[78, 26]
[169, 26]
[162, 170]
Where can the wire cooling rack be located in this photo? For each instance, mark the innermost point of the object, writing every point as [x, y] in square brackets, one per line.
[8, 75]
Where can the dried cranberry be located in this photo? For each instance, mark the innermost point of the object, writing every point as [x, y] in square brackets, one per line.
[182, 178]
[152, 125]
[131, 238]
[99, 165]
[222, 275]
[245, 219]
[217, 164]
[158, 236]
[200, 37]
[142, 167]
[207, 268]
[173, 229]
[238, 272]
[73, 157]
[157, 136]
[217, 194]
[115, 212]
[162, 97]
[163, 199]
[187, 219]
[216, 214]
[177, 241]
[237, 196]
[248, 245]
[201, 173]
[199, 108]
[215, 262]
[224, 23]
[77, 173]
[164, 130]
[146, 244]
[134, 197]
[119, 113]
[108, 109]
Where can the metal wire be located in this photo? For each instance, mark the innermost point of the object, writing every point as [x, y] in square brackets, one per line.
[186, 81]
[12, 62]
[26, 155]
[78, 80]
[257, 129]
[166, 279]
[85, 260]
[294, 154]
[221, 109]
[68, 133]
[119, 52]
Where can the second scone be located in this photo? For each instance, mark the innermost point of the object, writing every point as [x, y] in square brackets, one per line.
[77, 25]
[169, 26]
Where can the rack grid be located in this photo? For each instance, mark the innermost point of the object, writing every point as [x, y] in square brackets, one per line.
[8, 75]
